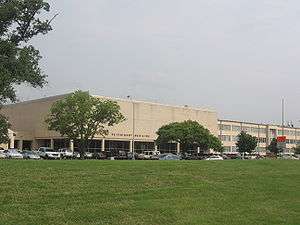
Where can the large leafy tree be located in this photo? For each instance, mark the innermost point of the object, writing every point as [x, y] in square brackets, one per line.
[246, 143]
[189, 134]
[82, 116]
[273, 147]
[20, 21]
[297, 150]
[4, 126]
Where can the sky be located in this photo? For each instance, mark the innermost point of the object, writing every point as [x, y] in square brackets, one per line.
[237, 57]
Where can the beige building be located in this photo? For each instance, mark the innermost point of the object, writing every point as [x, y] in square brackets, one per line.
[229, 130]
[143, 119]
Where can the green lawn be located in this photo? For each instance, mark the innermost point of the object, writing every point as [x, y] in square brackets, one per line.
[149, 192]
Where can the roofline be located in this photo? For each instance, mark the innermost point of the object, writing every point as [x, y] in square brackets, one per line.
[54, 97]
[39, 100]
[155, 103]
[252, 123]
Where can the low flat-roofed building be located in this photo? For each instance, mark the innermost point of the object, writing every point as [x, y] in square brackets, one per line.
[27, 119]
[229, 130]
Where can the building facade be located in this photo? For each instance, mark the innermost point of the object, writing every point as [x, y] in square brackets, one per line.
[143, 119]
[265, 133]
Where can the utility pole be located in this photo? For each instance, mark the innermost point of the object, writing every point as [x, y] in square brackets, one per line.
[282, 117]
[133, 126]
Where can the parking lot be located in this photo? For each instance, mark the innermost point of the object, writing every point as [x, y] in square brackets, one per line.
[46, 153]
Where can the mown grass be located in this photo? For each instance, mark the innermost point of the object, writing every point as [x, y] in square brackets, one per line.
[149, 192]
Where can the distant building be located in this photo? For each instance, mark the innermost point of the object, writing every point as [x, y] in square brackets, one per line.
[229, 130]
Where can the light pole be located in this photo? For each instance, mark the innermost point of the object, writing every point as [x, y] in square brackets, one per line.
[133, 126]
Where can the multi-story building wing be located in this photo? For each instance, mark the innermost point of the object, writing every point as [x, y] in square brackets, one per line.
[229, 131]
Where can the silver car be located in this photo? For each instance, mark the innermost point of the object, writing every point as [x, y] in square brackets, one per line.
[30, 155]
[13, 154]
[66, 153]
[48, 153]
[169, 156]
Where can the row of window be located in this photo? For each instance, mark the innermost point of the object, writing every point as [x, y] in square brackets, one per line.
[226, 127]
[236, 138]
[256, 130]
[228, 138]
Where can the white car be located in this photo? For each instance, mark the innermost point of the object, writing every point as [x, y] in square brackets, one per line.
[48, 153]
[149, 155]
[13, 154]
[66, 153]
[214, 157]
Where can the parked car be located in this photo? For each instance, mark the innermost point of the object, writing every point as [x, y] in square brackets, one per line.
[30, 155]
[76, 155]
[121, 155]
[88, 155]
[13, 154]
[148, 155]
[66, 153]
[214, 157]
[131, 154]
[99, 155]
[168, 156]
[289, 157]
[48, 153]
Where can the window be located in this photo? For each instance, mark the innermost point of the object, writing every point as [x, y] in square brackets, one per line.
[236, 128]
[262, 130]
[261, 149]
[246, 129]
[227, 148]
[225, 137]
[233, 148]
[235, 138]
[224, 127]
[254, 130]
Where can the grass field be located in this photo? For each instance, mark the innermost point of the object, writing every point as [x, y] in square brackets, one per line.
[149, 192]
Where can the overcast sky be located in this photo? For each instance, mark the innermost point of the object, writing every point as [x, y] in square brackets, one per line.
[237, 57]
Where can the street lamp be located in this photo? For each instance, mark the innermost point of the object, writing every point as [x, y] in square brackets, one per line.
[133, 125]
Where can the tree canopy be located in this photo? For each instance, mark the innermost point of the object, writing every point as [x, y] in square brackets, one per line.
[20, 21]
[189, 134]
[82, 116]
[246, 143]
[273, 148]
[4, 126]
[297, 149]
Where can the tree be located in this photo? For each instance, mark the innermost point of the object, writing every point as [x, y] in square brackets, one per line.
[189, 134]
[273, 147]
[297, 150]
[82, 116]
[246, 143]
[19, 62]
[4, 126]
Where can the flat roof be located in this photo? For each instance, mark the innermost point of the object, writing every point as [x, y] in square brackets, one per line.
[112, 98]
[252, 123]
[158, 104]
